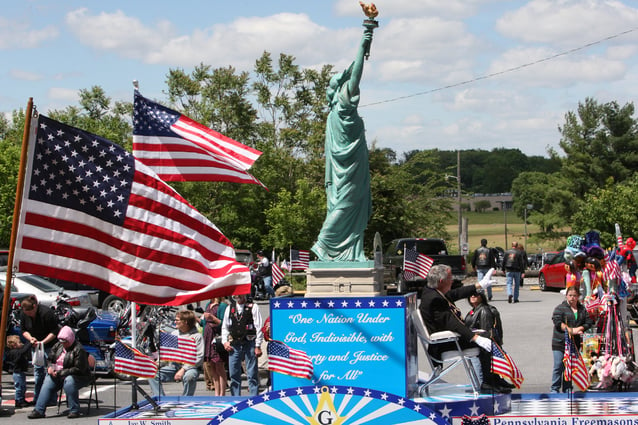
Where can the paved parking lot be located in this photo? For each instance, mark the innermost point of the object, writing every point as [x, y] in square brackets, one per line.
[527, 335]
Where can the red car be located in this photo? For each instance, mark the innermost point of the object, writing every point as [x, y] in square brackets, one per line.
[552, 274]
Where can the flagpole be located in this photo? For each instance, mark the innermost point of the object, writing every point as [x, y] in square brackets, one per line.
[133, 327]
[14, 227]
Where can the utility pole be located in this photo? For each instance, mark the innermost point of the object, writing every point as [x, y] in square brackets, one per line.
[458, 194]
[504, 205]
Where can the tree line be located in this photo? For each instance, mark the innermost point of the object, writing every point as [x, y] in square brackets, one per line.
[280, 109]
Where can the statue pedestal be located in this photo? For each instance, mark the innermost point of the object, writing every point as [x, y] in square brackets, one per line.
[344, 279]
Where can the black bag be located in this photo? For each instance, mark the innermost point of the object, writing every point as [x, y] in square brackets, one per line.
[219, 346]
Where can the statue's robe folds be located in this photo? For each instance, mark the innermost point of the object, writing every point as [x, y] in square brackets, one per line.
[349, 201]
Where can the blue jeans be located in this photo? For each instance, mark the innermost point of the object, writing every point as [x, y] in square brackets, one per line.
[20, 383]
[515, 278]
[268, 286]
[71, 385]
[480, 273]
[558, 383]
[167, 373]
[243, 350]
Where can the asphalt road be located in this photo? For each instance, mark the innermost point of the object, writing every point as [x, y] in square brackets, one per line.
[527, 338]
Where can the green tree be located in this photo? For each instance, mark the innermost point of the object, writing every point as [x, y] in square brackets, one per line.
[293, 219]
[600, 142]
[481, 206]
[601, 209]
[11, 132]
[549, 195]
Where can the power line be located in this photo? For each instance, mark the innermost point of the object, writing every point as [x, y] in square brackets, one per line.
[506, 71]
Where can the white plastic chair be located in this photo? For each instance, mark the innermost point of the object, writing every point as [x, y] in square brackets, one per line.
[448, 359]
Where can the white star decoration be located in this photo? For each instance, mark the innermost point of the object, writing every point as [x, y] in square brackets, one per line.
[474, 410]
[445, 412]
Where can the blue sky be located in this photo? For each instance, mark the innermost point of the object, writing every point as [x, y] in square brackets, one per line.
[52, 49]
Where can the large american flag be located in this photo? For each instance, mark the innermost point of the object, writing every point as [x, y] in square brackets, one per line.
[131, 361]
[575, 368]
[286, 360]
[277, 274]
[416, 264]
[299, 259]
[93, 214]
[504, 366]
[180, 349]
[180, 149]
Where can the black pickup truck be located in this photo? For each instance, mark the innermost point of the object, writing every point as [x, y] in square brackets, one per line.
[433, 248]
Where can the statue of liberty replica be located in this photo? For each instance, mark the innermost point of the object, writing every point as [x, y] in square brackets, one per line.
[349, 202]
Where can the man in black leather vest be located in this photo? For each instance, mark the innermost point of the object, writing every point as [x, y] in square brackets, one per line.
[483, 260]
[242, 337]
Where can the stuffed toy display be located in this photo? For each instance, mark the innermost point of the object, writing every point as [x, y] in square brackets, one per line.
[572, 275]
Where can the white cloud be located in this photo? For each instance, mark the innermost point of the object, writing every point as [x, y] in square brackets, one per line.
[57, 94]
[557, 72]
[18, 35]
[20, 74]
[567, 22]
[117, 32]
[402, 8]
[238, 43]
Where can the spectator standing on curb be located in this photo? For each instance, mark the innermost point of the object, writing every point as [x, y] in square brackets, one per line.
[242, 337]
[513, 266]
[38, 326]
[215, 356]
[16, 361]
[573, 316]
[482, 261]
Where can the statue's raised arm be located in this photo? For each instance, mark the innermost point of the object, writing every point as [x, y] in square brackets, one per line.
[349, 203]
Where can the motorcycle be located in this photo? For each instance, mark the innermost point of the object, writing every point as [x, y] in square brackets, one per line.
[96, 332]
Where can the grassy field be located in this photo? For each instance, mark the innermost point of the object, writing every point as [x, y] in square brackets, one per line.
[491, 226]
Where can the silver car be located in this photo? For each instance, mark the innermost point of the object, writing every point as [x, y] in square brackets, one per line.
[47, 292]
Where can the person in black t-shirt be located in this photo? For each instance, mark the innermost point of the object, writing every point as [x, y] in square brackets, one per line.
[38, 326]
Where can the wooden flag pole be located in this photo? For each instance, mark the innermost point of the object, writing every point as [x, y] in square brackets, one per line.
[14, 228]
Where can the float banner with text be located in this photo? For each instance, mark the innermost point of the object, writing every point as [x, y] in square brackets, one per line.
[351, 341]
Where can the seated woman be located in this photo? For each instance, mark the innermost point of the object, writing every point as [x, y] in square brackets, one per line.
[485, 320]
[68, 370]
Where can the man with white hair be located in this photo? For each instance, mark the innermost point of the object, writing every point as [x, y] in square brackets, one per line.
[439, 313]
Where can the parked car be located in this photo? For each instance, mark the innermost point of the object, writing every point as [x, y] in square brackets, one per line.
[244, 256]
[4, 258]
[552, 274]
[47, 292]
[103, 300]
